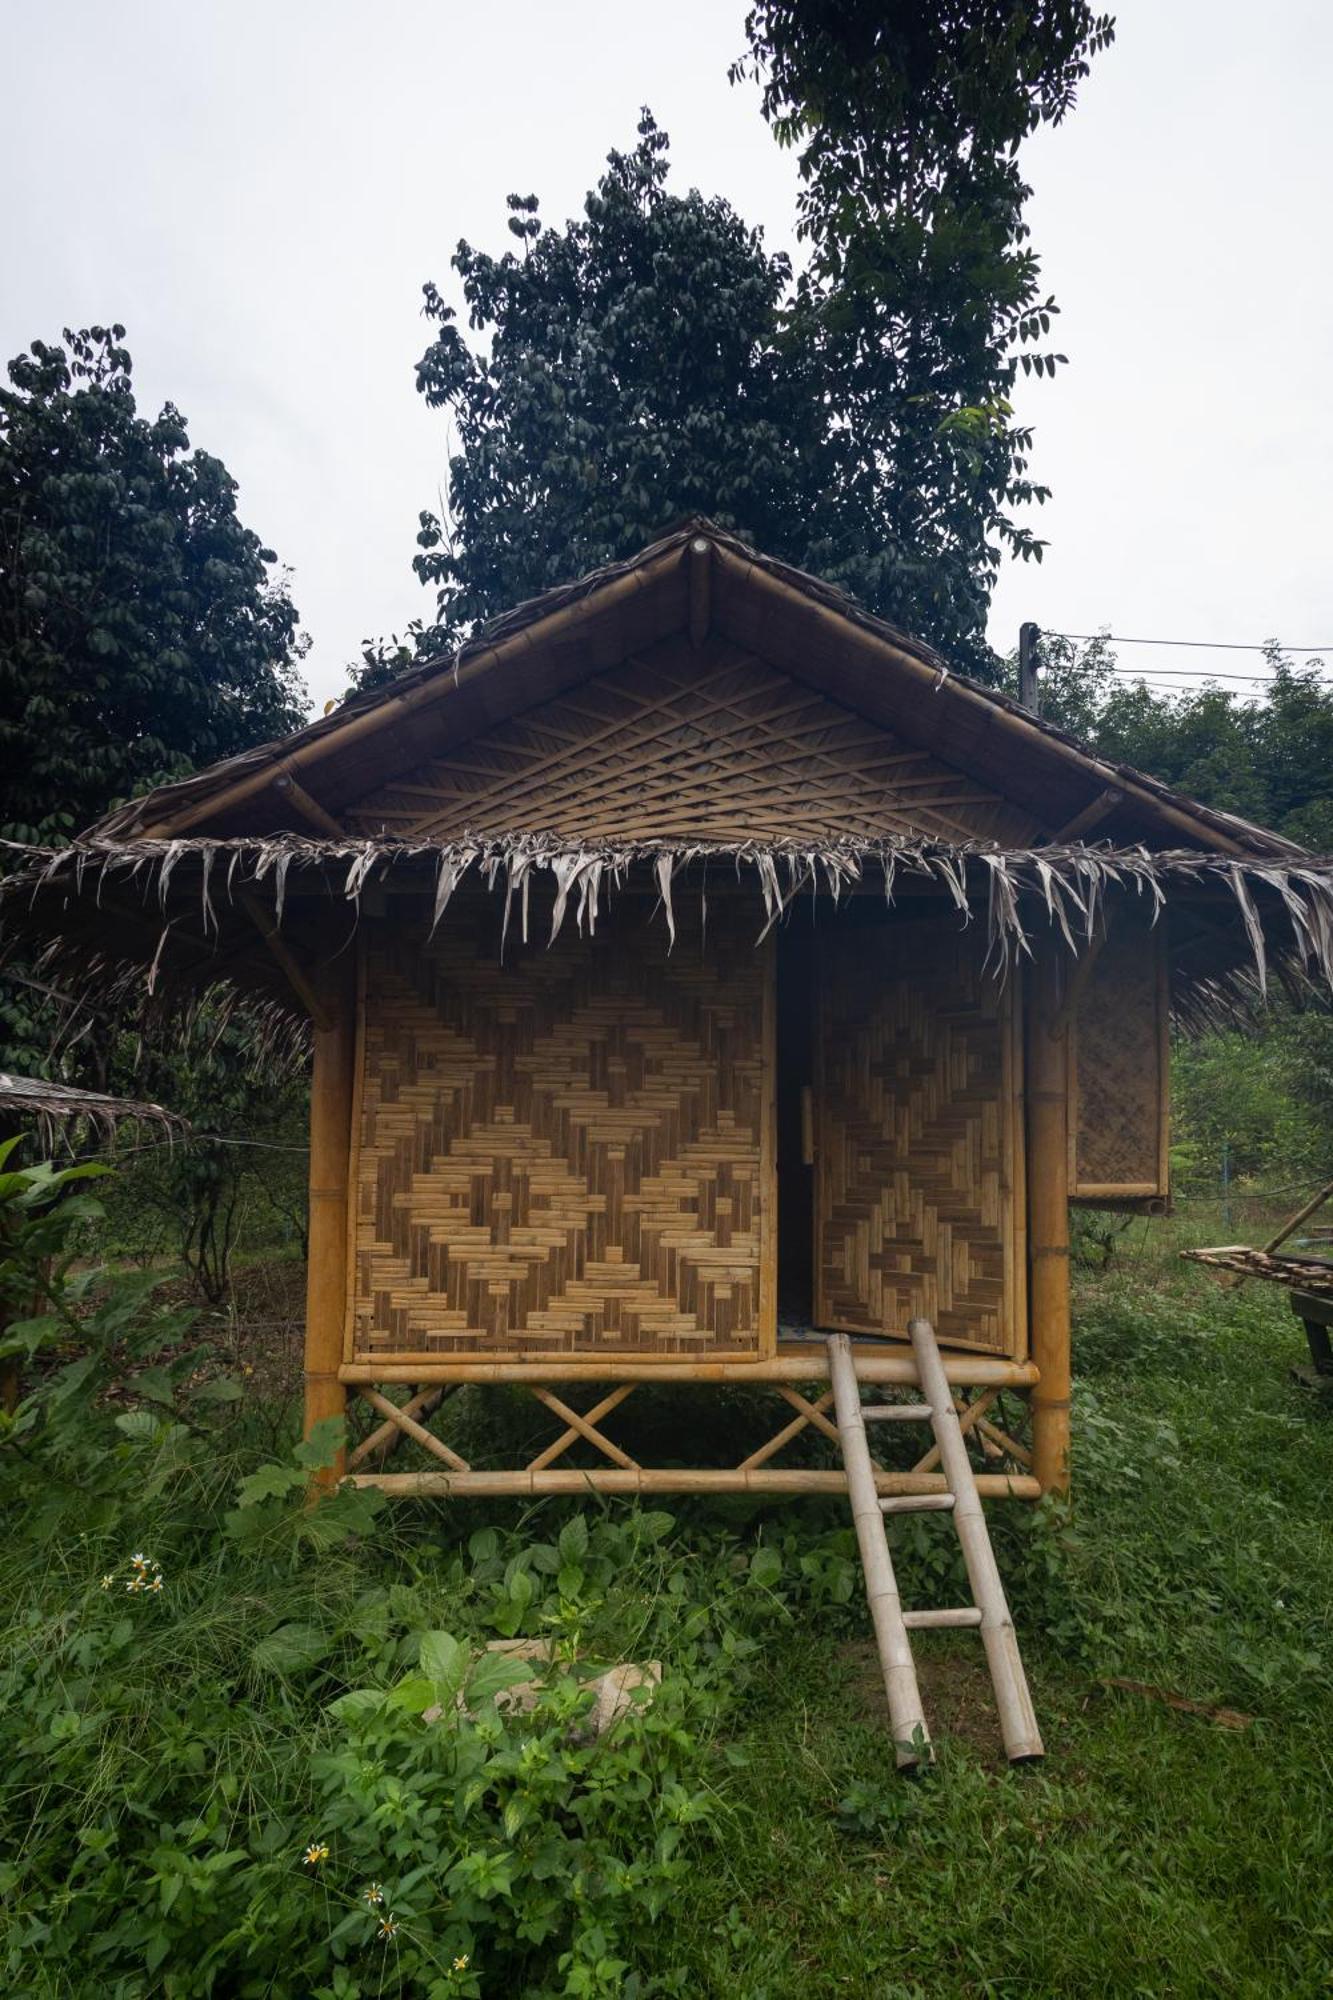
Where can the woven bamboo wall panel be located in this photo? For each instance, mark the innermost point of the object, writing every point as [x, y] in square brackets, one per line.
[916, 1147]
[561, 1154]
[1118, 1061]
[713, 745]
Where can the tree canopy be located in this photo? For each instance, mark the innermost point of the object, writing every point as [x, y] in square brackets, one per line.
[1271, 760]
[921, 300]
[651, 359]
[143, 628]
[633, 370]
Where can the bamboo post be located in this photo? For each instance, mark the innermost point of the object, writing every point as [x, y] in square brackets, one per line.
[1048, 1215]
[886, 1611]
[1022, 1738]
[330, 1148]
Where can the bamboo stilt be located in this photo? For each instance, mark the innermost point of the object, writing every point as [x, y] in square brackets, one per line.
[330, 1147]
[1018, 1723]
[1048, 1216]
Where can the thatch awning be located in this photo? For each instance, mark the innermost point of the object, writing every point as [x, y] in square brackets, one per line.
[266, 913]
[31, 1100]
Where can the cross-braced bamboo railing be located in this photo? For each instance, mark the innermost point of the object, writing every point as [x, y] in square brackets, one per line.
[451, 1475]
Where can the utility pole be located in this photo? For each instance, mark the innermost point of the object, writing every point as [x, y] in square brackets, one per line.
[1029, 689]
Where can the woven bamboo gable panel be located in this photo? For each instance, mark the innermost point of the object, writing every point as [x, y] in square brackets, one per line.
[917, 1161]
[561, 1154]
[1119, 1089]
[713, 745]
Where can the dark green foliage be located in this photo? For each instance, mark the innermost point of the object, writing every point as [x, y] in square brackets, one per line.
[651, 360]
[1270, 760]
[1265, 1096]
[243, 1168]
[142, 632]
[921, 299]
[634, 371]
[174, 1751]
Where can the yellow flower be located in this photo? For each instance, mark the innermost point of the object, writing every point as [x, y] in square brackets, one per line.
[461, 1964]
[157, 1581]
[315, 1853]
[388, 1925]
[107, 1582]
[372, 1893]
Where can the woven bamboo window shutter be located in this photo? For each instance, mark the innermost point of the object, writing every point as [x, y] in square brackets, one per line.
[1118, 1089]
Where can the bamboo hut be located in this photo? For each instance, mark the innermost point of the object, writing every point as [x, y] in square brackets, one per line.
[697, 966]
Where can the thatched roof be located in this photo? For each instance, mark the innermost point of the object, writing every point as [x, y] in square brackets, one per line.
[30, 1100]
[270, 913]
[250, 873]
[698, 579]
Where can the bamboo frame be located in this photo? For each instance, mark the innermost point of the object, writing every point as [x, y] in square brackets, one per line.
[776, 1481]
[621, 1473]
[1048, 1215]
[330, 1149]
[295, 974]
[795, 1361]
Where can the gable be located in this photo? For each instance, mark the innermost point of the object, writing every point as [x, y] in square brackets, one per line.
[711, 744]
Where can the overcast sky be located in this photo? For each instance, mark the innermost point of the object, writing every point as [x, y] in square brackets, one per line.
[259, 188]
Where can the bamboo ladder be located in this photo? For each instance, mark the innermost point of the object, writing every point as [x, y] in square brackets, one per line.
[989, 1612]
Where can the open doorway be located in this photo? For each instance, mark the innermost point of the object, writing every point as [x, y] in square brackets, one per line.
[795, 1061]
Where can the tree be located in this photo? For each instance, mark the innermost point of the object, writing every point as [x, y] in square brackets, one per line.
[634, 370]
[921, 299]
[1271, 760]
[143, 631]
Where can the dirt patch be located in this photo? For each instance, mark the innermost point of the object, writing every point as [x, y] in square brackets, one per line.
[258, 1331]
[956, 1691]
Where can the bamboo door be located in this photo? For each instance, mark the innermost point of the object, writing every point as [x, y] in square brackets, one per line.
[918, 1171]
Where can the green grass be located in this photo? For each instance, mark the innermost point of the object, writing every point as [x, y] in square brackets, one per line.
[1153, 1853]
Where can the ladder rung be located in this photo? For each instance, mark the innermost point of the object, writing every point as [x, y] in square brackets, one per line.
[918, 1503]
[902, 1413]
[931, 1621]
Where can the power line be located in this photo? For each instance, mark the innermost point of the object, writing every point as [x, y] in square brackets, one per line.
[1197, 645]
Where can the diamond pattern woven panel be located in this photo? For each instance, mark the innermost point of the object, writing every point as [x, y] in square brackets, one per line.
[916, 1165]
[1118, 1081]
[562, 1154]
[714, 745]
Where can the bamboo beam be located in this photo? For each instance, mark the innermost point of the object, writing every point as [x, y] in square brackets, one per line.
[592, 1416]
[805, 617]
[775, 1480]
[330, 1150]
[393, 1413]
[309, 807]
[794, 1362]
[1048, 1215]
[1092, 815]
[701, 557]
[400, 705]
[386, 1437]
[295, 974]
[809, 1413]
[585, 1429]
[967, 1418]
